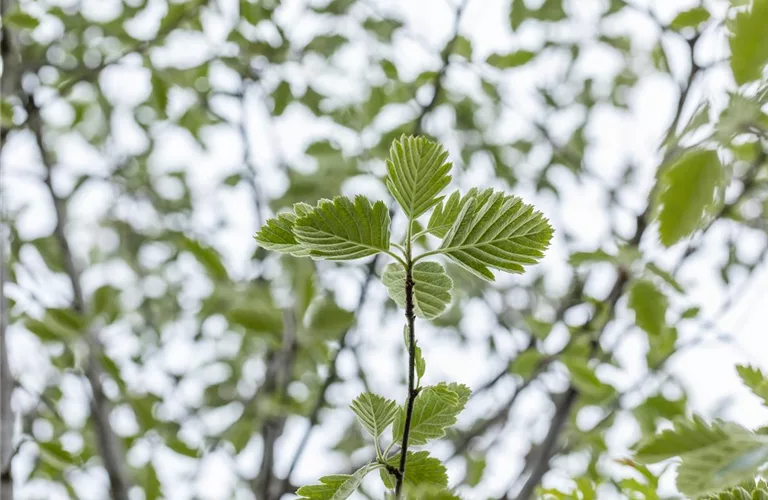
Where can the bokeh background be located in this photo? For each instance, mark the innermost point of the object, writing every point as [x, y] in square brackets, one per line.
[155, 348]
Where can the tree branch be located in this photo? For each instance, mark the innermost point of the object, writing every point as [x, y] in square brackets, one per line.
[107, 441]
[6, 387]
[563, 408]
[277, 378]
[8, 83]
[439, 78]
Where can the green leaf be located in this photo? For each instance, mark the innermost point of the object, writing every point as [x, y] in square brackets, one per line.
[756, 380]
[518, 13]
[282, 97]
[257, 318]
[19, 19]
[207, 256]
[649, 305]
[159, 92]
[580, 258]
[326, 45]
[496, 230]
[716, 468]
[511, 60]
[51, 330]
[106, 300]
[435, 409]
[52, 451]
[326, 320]
[335, 487]
[688, 192]
[149, 482]
[585, 380]
[690, 18]
[691, 436]
[426, 492]
[526, 363]
[445, 212]
[6, 113]
[417, 171]
[666, 276]
[421, 471]
[431, 287]
[749, 43]
[374, 412]
[384, 29]
[344, 230]
[182, 448]
[750, 489]
[421, 365]
[277, 235]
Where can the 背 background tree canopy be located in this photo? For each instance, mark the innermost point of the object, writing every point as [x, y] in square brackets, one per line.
[150, 348]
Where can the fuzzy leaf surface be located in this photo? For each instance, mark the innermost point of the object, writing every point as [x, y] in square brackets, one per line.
[496, 230]
[374, 412]
[417, 171]
[435, 409]
[334, 487]
[431, 287]
[344, 229]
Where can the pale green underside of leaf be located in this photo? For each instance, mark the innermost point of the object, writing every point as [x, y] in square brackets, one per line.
[689, 190]
[421, 471]
[435, 410]
[685, 437]
[750, 489]
[334, 487]
[432, 287]
[374, 412]
[343, 229]
[277, 235]
[445, 212]
[417, 171]
[714, 456]
[496, 230]
[716, 468]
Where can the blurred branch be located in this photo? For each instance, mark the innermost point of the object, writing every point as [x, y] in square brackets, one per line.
[277, 378]
[8, 83]
[6, 382]
[314, 415]
[540, 464]
[9, 52]
[439, 77]
[107, 441]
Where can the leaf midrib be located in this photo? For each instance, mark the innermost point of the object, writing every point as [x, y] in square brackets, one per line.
[481, 243]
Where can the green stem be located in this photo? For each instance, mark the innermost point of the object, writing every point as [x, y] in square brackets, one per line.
[412, 392]
[389, 448]
[397, 258]
[426, 254]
